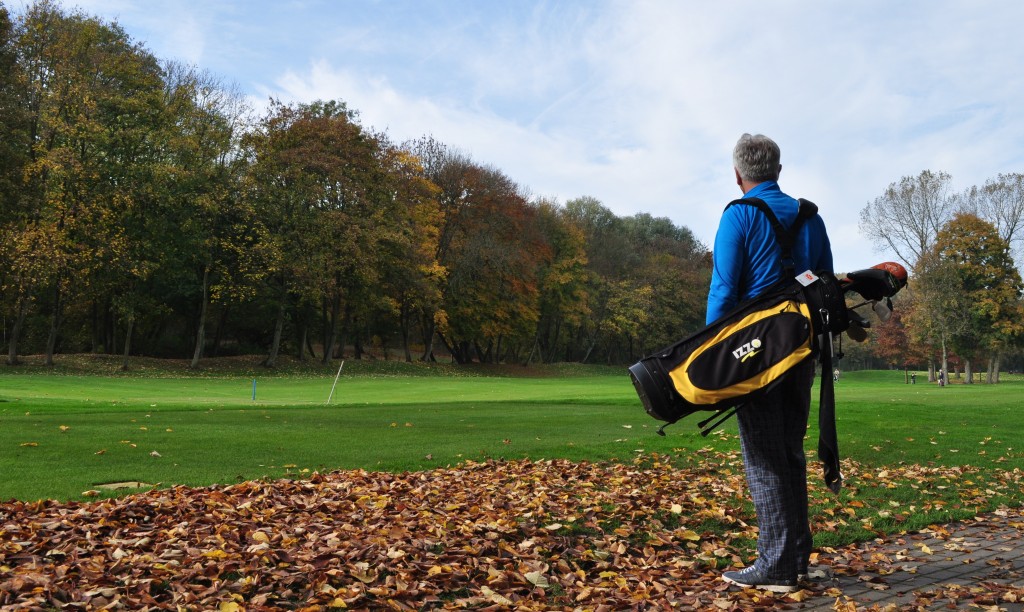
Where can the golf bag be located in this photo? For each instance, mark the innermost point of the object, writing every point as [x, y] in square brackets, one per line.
[748, 351]
[743, 354]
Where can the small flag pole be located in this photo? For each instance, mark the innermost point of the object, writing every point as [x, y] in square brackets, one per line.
[335, 381]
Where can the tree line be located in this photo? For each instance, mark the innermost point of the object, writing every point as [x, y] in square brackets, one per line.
[147, 209]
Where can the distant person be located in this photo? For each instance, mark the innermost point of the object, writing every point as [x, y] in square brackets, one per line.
[747, 260]
[913, 378]
[835, 375]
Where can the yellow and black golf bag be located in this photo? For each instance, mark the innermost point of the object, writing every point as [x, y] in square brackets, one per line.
[748, 351]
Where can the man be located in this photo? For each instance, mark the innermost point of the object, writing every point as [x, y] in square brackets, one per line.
[748, 260]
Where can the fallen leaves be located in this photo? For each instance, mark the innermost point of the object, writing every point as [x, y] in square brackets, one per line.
[529, 535]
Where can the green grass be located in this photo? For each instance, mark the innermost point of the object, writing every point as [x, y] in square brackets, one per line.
[65, 433]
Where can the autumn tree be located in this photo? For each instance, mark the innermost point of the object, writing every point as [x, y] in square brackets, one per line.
[563, 279]
[990, 288]
[411, 275]
[88, 94]
[908, 216]
[217, 244]
[492, 257]
[676, 267]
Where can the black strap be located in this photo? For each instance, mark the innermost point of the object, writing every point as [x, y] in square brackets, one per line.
[828, 442]
[785, 237]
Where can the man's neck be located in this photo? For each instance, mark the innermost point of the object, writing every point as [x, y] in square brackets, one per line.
[746, 186]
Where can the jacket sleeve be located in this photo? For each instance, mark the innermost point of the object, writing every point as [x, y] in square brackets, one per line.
[727, 257]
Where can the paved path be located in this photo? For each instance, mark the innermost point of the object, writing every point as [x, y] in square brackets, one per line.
[974, 565]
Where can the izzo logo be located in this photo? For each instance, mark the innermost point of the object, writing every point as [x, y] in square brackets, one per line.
[748, 350]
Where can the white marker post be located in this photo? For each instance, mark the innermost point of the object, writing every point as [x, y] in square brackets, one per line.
[335, 381]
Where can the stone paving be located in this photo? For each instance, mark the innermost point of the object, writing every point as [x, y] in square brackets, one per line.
[974, 565]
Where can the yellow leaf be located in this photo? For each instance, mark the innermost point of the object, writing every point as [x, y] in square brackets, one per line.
[925, 549]
[261, 536]
[677, 509]
[230, 606]
[800, 595]
[215, 554]
[64, 428]
[30, 444]
[337, 602]
[537, 579]
[690, 535]
[497, 598]
[553, 526]
[434, 570]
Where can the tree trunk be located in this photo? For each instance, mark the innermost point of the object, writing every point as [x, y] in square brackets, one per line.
[275, 344]
[55, 322]
[968, 372]
[303, 340]
[406, 323]
[429, 327]
[994, 378]
[201, 332]
[309, 345]
[551, 356]
[331, 333]
[529, 358]
[19, 323]
[945, 362]
[218, 333]
[128, 341]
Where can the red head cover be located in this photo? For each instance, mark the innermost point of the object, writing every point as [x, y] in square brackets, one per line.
[895, 269]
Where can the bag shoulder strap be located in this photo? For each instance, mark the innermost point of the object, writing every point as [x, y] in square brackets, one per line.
[785, 237]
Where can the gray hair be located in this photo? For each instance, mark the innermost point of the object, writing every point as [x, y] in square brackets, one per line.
[757, 158]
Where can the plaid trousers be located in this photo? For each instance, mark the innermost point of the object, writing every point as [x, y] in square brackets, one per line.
[772, 431]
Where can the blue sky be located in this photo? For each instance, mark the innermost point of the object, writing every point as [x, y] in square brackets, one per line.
[638, 103]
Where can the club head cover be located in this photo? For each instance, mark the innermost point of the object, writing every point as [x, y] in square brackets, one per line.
[883, 309]
[898, 271]
[872, 283]
[857, 333]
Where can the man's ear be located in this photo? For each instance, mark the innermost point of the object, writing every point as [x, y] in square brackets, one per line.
[777, 174]
[739, 181]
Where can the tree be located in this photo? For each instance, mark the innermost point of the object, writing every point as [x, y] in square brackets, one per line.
[939, 305]
[89, 91]
[217, 233]
[989, 284]
[563, 279]
[1000, 201]
[909, 215]
[493, 254]
[411, 275]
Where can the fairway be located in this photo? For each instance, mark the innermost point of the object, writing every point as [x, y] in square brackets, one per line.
[64, 435]
[201, 393]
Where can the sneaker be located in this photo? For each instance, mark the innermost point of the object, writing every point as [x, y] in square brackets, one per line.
[755, 578]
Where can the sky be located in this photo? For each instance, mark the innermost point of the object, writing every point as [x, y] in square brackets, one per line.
[638, 103]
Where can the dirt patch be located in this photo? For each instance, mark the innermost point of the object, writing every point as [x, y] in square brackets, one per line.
[125, 484]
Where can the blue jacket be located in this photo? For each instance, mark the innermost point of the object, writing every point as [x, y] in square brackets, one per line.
[747, 258]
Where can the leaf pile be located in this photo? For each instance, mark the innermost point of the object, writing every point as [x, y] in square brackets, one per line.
[530, 535]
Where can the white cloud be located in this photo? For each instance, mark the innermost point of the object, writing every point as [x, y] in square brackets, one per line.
[638, 102]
